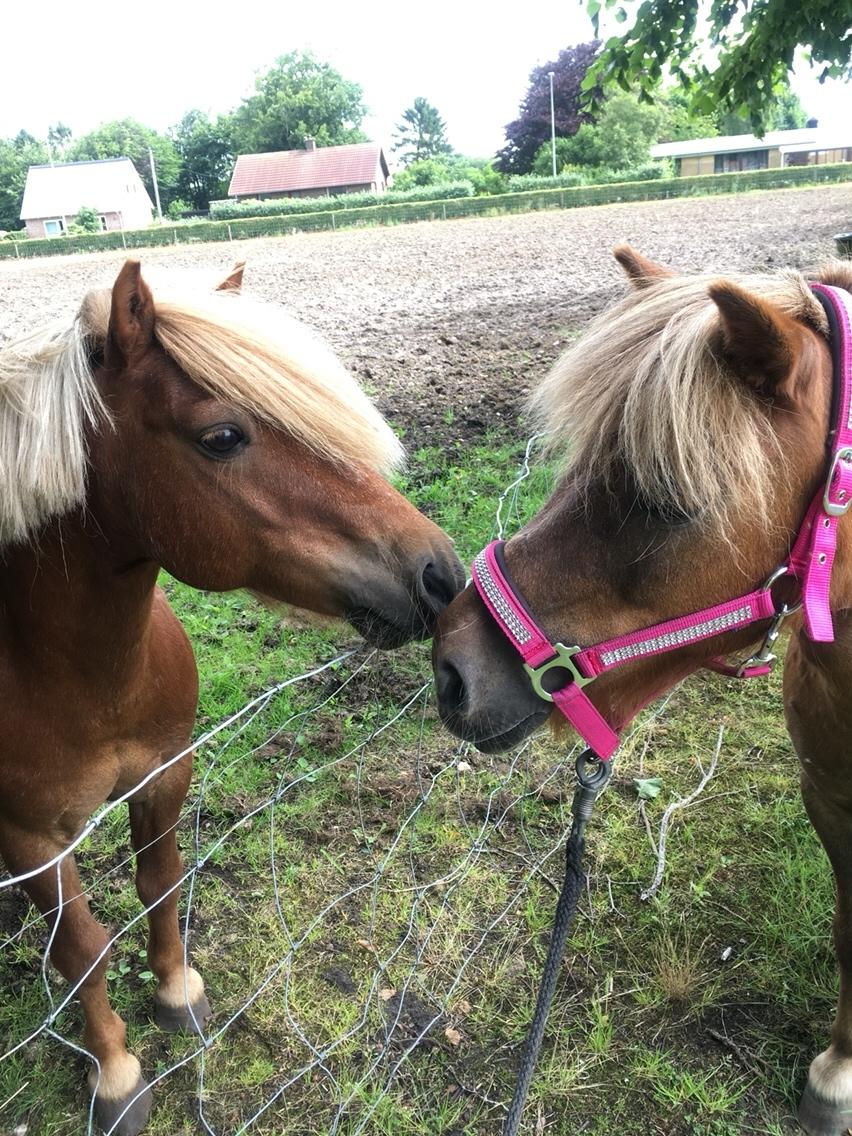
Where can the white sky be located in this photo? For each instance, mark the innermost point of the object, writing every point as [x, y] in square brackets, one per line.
[470, 58]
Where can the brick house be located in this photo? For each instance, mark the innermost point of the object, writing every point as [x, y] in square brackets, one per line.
[316, 171]
[734, 152]
[54, 195]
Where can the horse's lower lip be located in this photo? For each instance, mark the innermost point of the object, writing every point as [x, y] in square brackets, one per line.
[496, 743]
[383, 632]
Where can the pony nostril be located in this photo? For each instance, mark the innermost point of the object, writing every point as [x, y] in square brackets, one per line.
[452, 692]
[437, 586]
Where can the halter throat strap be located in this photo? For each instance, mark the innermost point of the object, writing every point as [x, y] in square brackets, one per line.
[810, 562]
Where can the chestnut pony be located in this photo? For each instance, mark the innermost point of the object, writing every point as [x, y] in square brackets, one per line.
[210, 436]
[697, 413]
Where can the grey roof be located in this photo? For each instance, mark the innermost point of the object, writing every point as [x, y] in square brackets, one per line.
[62, 190]
[788, 141]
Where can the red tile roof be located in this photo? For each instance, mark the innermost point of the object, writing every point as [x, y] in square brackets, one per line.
[285, 171]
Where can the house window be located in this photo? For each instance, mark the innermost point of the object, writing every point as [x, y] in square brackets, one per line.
[745, 160]
[103, 221]
[55, 227]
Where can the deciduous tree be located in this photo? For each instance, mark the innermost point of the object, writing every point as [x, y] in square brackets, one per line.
[754, 43]
[128, 138]
[206, 158]
[620, 138]
[299, 96]
[532, 126]
[16, 156]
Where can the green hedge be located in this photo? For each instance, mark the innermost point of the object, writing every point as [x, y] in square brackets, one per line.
[286, 206]
[650, 171]
[389, 214]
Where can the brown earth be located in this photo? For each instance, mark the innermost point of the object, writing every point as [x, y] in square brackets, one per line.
[449, 324]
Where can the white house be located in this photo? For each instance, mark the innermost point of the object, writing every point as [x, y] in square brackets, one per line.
[54, 195]
[810, 146]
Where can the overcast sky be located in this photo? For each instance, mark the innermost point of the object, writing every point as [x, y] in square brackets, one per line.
[98, 61]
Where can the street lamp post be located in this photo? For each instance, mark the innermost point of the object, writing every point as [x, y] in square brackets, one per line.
[552, 124]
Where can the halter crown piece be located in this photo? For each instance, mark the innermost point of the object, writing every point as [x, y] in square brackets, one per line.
[809, 563]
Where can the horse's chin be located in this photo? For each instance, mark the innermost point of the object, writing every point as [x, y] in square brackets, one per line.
[483, 736]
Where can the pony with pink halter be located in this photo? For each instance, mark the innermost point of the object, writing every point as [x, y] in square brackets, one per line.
[810, 564]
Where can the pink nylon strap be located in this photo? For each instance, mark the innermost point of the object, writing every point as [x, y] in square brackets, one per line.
[810, 562]
[812, 557]
[534, 647]
[678, 632]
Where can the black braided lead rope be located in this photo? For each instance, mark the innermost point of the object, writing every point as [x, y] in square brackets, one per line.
[591, 784]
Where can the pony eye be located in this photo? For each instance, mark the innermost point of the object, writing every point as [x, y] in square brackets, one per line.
[222, 441]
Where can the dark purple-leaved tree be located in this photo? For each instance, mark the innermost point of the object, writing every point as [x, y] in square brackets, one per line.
[532, 126]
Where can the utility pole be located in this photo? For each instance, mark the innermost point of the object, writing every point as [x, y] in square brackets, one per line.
[157, 188]
[552, 125]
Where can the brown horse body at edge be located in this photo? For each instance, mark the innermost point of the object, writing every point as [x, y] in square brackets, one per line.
[163, 469]
[698, 414]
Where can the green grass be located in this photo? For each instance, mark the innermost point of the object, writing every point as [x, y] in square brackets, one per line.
[394, 872]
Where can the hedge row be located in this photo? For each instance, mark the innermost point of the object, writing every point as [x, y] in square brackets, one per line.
[649, 171]
[388, 214]
[285, 206]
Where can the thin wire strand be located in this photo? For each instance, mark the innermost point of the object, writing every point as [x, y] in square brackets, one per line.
[427, 891]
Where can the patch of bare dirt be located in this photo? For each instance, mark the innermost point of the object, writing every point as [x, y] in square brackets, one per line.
[450, 324]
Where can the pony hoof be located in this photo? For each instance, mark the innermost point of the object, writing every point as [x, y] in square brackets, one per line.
[182, 1019]
[821, 1117]
[112, 1117]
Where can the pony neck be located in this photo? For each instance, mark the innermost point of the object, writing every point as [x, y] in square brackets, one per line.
[71, 599]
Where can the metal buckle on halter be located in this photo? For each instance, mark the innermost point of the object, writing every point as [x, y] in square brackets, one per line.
[836, 510]
[563, 660]
[764, 656]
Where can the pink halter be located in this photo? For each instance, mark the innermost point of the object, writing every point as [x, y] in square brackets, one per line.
[810, 563]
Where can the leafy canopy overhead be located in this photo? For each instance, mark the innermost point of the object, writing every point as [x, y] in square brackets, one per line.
[298, 97]
[532, 127]
[422, 134]
[753, 42]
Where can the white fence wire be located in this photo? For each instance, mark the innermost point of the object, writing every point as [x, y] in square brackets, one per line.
[417, 893]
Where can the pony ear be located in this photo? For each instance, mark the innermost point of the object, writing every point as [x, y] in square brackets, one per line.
[640, 271]
[758, 338]
[131, 317]
[233, 282]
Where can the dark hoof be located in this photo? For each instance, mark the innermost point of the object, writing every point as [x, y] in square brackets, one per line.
[179, 1019]
[820, 1117]
[111, 1115]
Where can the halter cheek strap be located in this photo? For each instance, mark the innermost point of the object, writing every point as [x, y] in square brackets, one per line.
[810, 562]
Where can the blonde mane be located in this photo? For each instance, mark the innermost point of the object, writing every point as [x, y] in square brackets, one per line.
[646, 389]
[241, 351]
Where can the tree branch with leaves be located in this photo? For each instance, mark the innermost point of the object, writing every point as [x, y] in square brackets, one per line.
[753, 43]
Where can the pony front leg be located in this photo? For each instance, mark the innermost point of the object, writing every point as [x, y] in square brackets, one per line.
[826, 1105]
[80, 953]
[181, 1003]
[817, 680]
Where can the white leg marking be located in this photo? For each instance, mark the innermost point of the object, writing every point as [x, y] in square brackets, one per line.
[830, 1078]
[179, 986]
[119, 1077]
